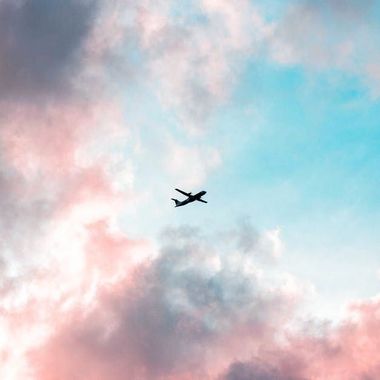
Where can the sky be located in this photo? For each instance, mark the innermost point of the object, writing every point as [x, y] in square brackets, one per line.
[272, 107]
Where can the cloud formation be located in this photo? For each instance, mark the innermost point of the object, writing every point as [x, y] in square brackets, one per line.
[329, 35]
[54, 191]
[196, 53]
[81, 299]
[51, 202]
[183, 315]
[204, 160]
[347, 351]
[41, 45]
[201, 311]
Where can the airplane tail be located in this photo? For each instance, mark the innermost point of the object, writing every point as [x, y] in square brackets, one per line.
[176, 201]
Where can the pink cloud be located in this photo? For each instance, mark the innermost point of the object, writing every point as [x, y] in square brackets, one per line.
[184, 315]
[58, 201]
[346, 351]
[326, 35]
[188, 315]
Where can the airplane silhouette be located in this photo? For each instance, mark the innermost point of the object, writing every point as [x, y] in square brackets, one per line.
[190, 198]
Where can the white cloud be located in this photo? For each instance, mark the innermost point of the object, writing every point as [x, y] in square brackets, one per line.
[190, 165]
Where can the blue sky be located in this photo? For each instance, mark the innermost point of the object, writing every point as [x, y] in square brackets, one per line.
[302, 153]
[310, 167]
[299, 151]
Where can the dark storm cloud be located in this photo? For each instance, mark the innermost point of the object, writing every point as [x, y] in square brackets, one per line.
[40, 45]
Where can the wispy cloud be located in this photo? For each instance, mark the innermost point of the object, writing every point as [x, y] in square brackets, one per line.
[329, 35]
[196, 58]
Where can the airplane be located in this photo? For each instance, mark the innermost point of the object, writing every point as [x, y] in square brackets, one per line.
[190, 198]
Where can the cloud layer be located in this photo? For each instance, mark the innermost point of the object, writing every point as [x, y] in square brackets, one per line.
[184, 314]
[201, 310]
[80, 299]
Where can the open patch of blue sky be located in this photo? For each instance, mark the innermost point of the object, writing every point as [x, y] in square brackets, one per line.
[303, 154]
[299, 150]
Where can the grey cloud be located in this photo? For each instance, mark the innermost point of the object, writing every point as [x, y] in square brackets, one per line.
[247, 236]
[176, 314]
[256, 370]
[249, 241]
[40, 44]
[182, 304]
[243, 371]
[19, 216]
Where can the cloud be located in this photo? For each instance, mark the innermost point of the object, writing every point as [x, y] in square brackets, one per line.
[193, 57]
[79, 297]
[201, 310]
[329, 34]
[41, 46]
[58, 194]
[346, 351]
[190, 165]
[197, 53]
[56, 209]
[257, 371]
[172, 318]
[265, 245]
[40, 168]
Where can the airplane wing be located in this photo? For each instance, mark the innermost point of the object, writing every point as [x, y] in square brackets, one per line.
[201, 200]
[182, 192]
